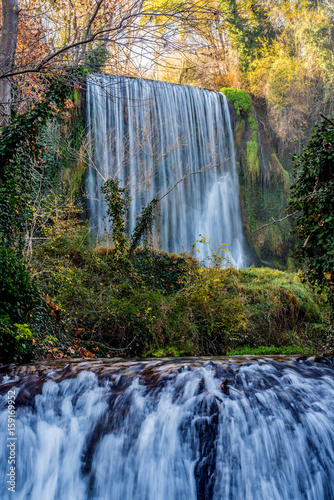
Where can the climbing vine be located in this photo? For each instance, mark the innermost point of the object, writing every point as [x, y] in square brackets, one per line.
[312, 200]
[23, 311]
[118, 201]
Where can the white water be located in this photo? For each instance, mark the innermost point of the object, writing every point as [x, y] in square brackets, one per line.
[156, 431]
[151, 135]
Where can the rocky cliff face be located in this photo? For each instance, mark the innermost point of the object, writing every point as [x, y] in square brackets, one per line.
[264, 183]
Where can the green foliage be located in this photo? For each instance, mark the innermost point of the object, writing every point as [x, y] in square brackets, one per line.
[23, 152]
[187, 349]
[219, 316]
[23, 129]
[18, 298]
[18, 152]
[25, 317]
[264, 192]
[166, 273]
[312, 199]
[96, 59]
[160, 304]
[118, 201]
[15, 342]
[239, 98]
[117, 209]
[239, 132]
[18, 293]
[253, 126]
[144, 226]
[249, 24]
[212, 258]
[283, 311]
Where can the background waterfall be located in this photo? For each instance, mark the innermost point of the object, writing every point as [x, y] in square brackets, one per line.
[153, 134]
[164, 430]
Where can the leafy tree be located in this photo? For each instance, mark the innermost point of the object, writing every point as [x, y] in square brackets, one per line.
[312, 199]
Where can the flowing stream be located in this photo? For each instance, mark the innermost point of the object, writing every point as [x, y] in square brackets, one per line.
[160, 138]
[165, 430]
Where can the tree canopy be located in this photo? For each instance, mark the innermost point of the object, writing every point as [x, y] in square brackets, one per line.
[51, 37]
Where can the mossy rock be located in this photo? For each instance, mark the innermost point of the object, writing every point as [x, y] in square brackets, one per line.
[264, 184]
[239, 98]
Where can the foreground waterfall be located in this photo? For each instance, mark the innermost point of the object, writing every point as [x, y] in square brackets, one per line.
[152, 135]
[164, 430]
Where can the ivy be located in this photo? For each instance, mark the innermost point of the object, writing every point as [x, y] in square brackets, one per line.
[144, 226]
[18, 152]
[312, 200]
[21, 304]
[118, 201]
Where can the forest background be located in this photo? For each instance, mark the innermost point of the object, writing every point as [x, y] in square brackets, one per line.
[63, 296]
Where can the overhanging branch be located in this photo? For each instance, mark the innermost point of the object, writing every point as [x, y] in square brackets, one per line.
[274, 221]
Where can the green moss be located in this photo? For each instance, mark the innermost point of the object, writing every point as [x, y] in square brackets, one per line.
[275, 240]
[284, 175]
[252, 122]
[187, 349]
[254, 136]
[264, 194]
[252, 159]
[268, 350]
[239, 132]
[239, 98]
[74, 176]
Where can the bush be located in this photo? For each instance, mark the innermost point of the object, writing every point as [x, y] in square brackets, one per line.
[25, 318]
[16, 344]
[18, 295]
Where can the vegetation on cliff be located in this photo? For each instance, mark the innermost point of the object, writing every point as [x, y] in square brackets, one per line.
[264, 184]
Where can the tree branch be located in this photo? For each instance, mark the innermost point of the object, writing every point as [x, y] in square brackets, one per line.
[325, 118]
[178, 16]
[274, 221]
[200, 171]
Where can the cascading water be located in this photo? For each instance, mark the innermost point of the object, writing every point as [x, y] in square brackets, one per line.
[156, 136]
[165, 430]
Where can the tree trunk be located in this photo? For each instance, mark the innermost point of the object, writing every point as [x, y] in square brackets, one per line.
[8, 40]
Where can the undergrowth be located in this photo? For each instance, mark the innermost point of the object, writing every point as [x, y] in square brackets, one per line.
[159, 304]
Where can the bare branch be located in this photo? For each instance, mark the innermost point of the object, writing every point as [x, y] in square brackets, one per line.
[166, 17]
[200, 171]
[325, 118]
[274, 221]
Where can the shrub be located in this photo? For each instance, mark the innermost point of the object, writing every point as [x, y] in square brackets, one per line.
[18, 295]
[16, 344]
